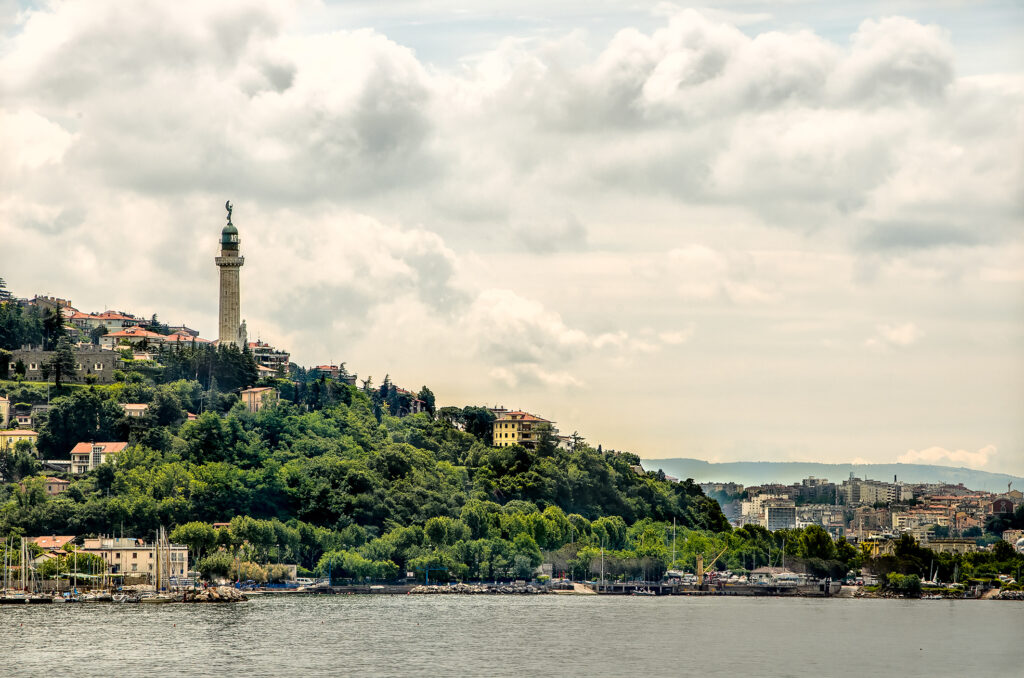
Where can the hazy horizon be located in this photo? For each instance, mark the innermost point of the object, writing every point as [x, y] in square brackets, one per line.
[740, 233]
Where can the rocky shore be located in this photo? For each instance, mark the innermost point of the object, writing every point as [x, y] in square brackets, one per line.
[527, 589]
[214, 594]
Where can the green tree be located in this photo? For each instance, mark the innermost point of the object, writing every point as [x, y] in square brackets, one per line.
[815, 542]
[478, 422]
[427, 396]
[75, 418]
[199, 537]
[96, 333]
[53, 328]
[63, 361]
[17, 462]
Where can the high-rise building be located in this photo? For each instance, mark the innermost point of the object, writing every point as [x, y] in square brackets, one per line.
[231, 329]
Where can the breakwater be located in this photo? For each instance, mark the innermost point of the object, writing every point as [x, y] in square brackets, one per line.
[481, 589]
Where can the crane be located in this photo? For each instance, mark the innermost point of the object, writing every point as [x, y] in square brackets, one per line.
[700, 566]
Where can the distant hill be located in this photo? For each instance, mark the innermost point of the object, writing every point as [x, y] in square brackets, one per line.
[760, 472]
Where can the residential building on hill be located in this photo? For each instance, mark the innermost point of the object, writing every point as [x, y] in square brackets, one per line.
[52, 542]
[336, 372]
[8, 439]
[179, 338]
[182, 329]
[519, 428]
[131, 336]
[50, 303]
[55, 486]
[87, 456]
[5, 411]
[90, 363]
[135, 409]
[259, 397]
[112, 320]
[267, 356]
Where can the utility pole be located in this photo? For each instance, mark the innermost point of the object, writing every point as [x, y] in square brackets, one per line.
[602, 563]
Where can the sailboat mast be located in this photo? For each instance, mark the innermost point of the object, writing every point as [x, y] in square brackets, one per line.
[673, 541]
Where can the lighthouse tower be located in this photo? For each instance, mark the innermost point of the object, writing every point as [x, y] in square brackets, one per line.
[232, 330]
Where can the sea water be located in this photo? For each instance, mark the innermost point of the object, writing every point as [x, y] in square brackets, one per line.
[444, 635]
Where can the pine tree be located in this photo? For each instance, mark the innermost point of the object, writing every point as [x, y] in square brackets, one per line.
[53, 329]
[63, 362]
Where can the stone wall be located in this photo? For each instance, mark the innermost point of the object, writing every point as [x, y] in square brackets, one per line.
[89, 361]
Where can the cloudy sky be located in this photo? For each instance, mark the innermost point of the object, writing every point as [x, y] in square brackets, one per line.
[743, 232]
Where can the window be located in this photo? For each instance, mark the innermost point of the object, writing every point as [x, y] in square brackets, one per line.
[135, 568]
[98, 367]
[32, 366]
[117, 555]
[135, 555]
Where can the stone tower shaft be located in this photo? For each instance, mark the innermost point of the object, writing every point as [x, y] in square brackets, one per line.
[230, 263]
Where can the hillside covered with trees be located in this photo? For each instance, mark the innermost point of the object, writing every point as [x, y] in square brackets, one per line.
[335, 476]
[329, 480]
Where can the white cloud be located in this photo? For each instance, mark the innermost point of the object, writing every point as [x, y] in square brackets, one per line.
[675, 338]
[30, 142]
[944, 457]
[547, 206]
[899, 336]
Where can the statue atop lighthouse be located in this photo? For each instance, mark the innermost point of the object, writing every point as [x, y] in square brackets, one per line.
[231, 327]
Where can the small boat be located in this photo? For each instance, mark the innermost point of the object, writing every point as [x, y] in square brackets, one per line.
[644, 592]
[14, 599]
[156, 598]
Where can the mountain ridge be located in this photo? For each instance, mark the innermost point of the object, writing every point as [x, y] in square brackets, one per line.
[788, 472]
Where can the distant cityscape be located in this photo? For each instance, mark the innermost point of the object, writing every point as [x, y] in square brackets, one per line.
[947, 517]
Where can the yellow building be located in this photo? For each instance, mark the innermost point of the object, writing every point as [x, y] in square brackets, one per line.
[5, 411]
[519, 428]
[133, 556]
[11, 438]
[257, 398]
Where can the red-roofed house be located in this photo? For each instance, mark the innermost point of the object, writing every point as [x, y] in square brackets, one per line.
[132, 335]
[87, 456]
[331, 371]
[55, 486]
[112, 320]
[185, 338]
[52, 542]
[519, 428]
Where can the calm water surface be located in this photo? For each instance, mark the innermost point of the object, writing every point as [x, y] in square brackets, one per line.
[518, 636]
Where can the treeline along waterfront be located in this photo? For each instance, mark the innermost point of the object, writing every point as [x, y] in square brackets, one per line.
[328, 480]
